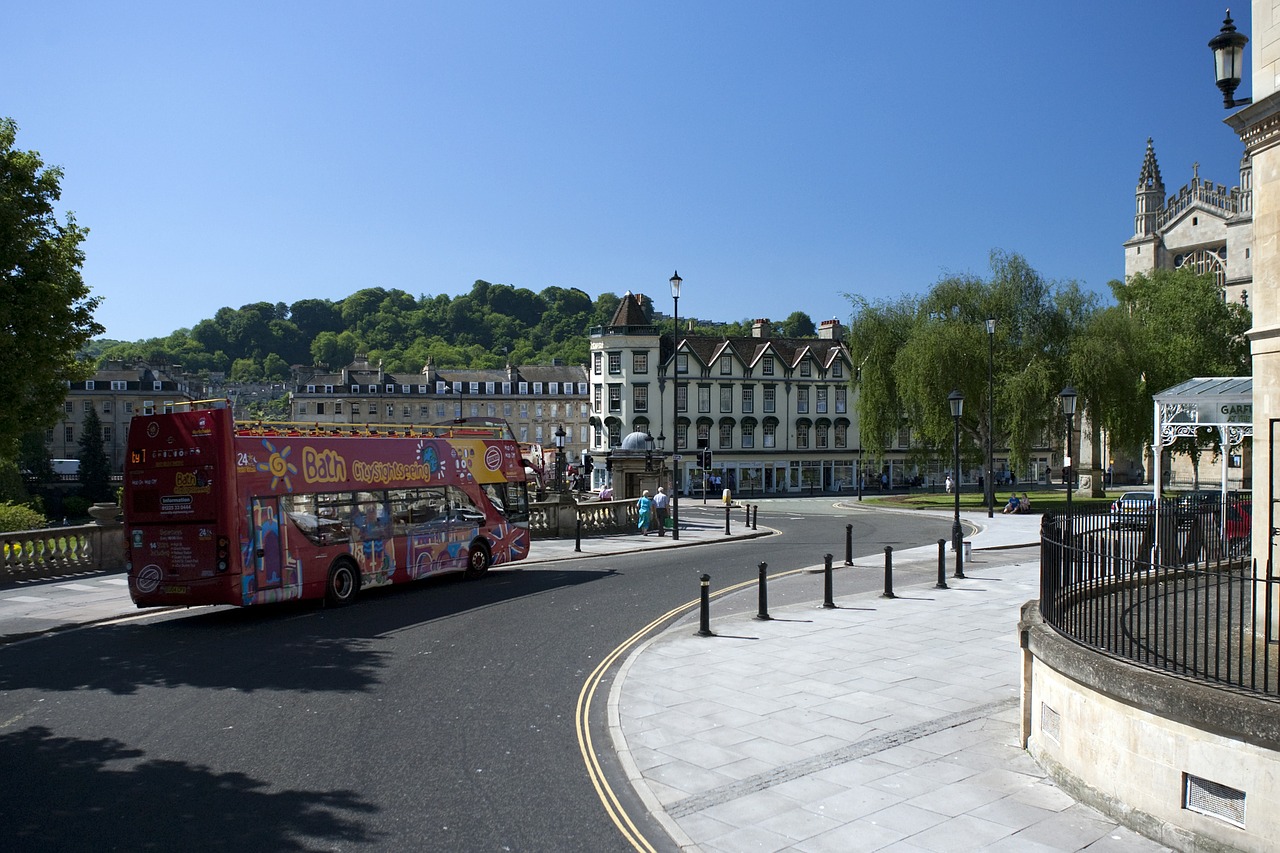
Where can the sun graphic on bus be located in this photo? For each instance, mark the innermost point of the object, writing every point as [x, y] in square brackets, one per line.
[278, 466]
[427, 453]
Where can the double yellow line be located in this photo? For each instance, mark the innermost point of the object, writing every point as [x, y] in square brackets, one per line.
[612, 806]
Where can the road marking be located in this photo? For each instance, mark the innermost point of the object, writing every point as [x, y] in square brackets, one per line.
[116, 581]
[25, 599]
[76, 587]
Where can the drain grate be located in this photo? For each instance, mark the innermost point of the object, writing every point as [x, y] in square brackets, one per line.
[1213, 799]
[1050, 723]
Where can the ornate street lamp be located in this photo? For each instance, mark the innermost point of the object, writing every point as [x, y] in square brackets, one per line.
[676, 281]
[1068, 398]
[991, 417]
[1228, 59]
[956, 400]
[560, 478]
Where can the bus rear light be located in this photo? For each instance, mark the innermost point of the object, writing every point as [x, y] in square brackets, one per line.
[224, 553]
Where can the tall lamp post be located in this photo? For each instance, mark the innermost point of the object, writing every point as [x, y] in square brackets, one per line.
[956, 399]
[991, 417]
[676, 281]
[560, 478]
[1068, 398]
[1228, 58]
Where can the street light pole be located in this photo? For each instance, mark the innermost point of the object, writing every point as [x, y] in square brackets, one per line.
[991, 417]
[1068, 397]
[956, 400]
[560, 472]
[676, 281]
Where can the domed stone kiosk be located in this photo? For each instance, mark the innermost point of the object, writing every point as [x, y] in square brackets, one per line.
[637, 465]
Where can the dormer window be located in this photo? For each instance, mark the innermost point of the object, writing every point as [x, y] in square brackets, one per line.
[806, 368]
[766, 365]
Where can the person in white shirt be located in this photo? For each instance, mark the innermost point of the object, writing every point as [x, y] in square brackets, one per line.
[661, 503]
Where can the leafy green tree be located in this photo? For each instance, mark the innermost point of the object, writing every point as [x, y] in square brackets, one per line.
[911, 354]
[46, 312]
[798, 325]
[245, 370]
[275, 367]
[95, 467]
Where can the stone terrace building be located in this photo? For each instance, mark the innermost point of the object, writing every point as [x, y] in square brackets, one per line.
[534, 399]
[118, 391]
[775, 412]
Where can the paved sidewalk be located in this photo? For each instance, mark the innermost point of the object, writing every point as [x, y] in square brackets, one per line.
[883, 724]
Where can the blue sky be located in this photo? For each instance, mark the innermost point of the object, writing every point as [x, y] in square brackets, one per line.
[779, 155]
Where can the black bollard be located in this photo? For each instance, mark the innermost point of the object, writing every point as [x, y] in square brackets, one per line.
[727, 508]
[747, 518]
[828, 599]
[848, 544]
[888, 572]
[942, 565]
[959, 560]
[755, 516]
[704, 625]
[577, 542]
[764, 593]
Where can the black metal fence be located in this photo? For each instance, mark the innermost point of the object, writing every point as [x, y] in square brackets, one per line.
[1170, 587]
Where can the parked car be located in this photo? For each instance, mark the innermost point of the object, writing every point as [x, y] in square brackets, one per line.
[1133, 511]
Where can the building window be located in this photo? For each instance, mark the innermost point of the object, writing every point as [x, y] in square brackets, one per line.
[640, 398]
[88, 406]
[682, 436]
[726, 365]
[337, 407]
[148, 407]
[128, 408]
[766, 365]
[802, 435]
[119, 385]
[615, 363]
[802, 400]
[88, 385]
[770, 434]
[406, 412]
[537, 388]
[842, 435]
[748, 399]
[640, 362]
[821, 401]
[302, 408]
[391, 411]
[106, 432]
[537, 411]
[682, 363]
[682, 398]
[615, 398]
[904, 436]
[842, 400]
[820, 436]
[68, 434]
[726, 436]
[597, 359]
[806, 368]
[837, 368]
[770, 399]
[726, 398]
[597, 396]
[69, 407]
[704, 399]
[106, 407]
[748, 434]
[319, 408]
[473, 387]
[704, 435]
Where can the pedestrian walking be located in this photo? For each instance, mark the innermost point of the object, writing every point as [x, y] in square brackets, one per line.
[661, 505]
[645, 507]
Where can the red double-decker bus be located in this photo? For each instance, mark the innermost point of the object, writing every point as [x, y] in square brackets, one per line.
[223, 513]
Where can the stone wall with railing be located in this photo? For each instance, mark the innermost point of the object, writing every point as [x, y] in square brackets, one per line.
[53, 552]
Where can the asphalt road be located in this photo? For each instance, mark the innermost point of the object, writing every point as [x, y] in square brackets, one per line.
[435, 717]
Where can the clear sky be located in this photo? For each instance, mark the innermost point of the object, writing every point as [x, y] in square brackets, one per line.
[778, 154]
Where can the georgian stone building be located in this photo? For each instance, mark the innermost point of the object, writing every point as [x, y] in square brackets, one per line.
[775, 413]
[117, 391]
[535, 400]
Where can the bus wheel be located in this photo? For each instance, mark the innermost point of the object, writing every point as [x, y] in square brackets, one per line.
[344, 583]
[477, 560]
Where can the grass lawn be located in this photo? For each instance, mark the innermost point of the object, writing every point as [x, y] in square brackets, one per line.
[971, 499]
